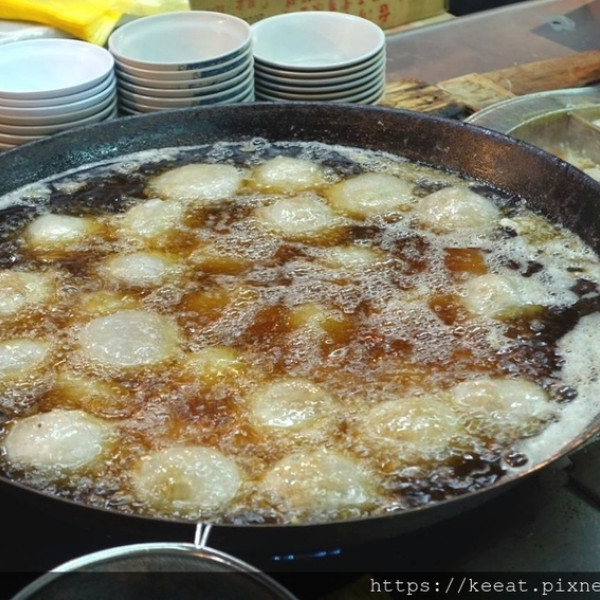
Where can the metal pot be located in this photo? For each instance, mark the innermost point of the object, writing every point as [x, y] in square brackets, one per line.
[555, 188]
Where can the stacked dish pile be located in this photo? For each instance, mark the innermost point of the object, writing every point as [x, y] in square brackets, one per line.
[319, 56]
[50, 85]
[180, 59]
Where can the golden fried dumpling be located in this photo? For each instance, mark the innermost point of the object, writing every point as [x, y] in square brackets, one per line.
[151, 220]
[350, 258]
[297, 216]
[503, 408]
[320, 480]
[291, 405]
[52, 232]
[371, 194]
[454, 209]
[494, 294]
[285, 174]
[140, 269]
[129, 338]
[20, 290]
[57, 441]
[212, 364]
[186, 480]
[21, 356]
[412, 430]
[197, 182]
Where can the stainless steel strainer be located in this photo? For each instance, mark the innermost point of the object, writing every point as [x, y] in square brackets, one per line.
[153, 571]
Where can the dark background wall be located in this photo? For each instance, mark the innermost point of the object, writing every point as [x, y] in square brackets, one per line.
[464, 7]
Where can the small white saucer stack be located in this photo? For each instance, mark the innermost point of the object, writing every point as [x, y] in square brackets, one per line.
[50, 85]
[180, 59]
[319, 56]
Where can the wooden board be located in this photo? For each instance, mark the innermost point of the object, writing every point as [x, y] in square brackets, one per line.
[412, 94]
[460, 96]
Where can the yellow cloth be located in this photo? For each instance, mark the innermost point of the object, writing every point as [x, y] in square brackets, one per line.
[150, 7]
[92, 21]
[89, 20]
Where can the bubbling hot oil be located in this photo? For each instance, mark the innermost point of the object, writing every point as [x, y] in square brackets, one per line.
[370, 309]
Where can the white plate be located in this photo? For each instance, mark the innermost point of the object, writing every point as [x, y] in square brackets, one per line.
[371, 96]
[180, 40]
[47, 68]
[186, 74]
[138, 108]
[135, 99]
[6, 146]
[59, 113]
[199, 90]
[109, 80]
[343, 87]
[309, 40]
[108, 112]
[371, 85]
[182, 84]
[35, 126]
[325, 80]
[321, 73]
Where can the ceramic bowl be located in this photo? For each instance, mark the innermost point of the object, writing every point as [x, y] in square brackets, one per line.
[315, 40]
[180, 41]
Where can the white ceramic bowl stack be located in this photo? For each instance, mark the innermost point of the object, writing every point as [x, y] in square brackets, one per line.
[180, 59]
[319, 56]
[51, 85]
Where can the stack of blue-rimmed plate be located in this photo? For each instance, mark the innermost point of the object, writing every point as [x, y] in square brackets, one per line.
[50, 85]
[319, 56]
[179, 59]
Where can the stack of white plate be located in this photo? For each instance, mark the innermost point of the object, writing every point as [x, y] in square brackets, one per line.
[50, 85]
[319, 56]
[179, 59]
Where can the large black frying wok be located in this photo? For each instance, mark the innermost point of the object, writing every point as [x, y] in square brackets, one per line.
[556, 188]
